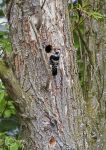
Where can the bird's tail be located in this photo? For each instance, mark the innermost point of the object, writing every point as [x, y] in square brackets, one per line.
[54, 70]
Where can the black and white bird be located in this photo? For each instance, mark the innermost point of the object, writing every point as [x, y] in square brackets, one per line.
[54, 61]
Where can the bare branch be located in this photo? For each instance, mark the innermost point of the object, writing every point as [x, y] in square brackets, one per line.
[43, 4]
[12, 86]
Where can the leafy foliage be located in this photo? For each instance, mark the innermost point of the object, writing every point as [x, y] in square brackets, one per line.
[96, 15]
[4, 30]
[7, 108]
[9, 124]
[10, 143]
[5, 42]
[79, 12]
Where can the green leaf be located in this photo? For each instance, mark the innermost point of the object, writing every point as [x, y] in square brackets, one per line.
[2, 95]
[5, 42]
[2, 102]
[9, 141]
[2, 134]
[14, 146]
[10, 103]
[13, 111]
[20, 144]
[96, 15]
[2, 88]
[7, 113]
[1, 142]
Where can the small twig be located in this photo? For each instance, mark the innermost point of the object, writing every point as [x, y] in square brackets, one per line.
[79, 23]
[43, 4]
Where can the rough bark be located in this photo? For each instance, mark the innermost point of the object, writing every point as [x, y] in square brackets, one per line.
[53, 117]
[96, 103]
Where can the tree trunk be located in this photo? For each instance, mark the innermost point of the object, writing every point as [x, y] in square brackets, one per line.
[51, 108]
[95, 33]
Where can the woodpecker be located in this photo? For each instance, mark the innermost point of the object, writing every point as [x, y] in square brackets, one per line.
[54, 61]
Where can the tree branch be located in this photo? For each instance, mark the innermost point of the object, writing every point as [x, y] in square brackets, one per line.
[43, 4]
[12, 86]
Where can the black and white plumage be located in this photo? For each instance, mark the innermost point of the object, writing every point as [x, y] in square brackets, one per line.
[54, 61]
